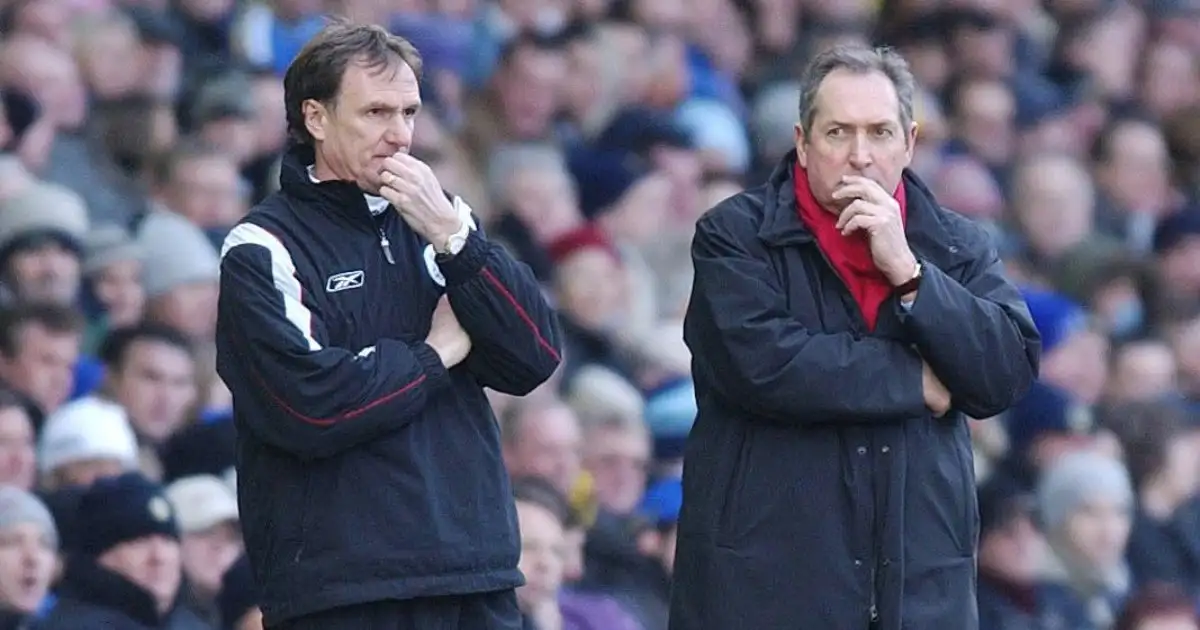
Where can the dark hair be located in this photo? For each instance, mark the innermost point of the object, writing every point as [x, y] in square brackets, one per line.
[316, 72]
[1155, 600]
[10, 400]
[1146, 431]
[56, 318]
[859, 60]
[115, 347]
[540, 492]
[181, 152]
[531, 40]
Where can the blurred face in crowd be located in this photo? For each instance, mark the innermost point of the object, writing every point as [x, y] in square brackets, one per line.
[47, 19]
[43, 365]
[592, 289]
[45, 271]
[156, 383]
[617, 459]
[1078, 365]
[987, 51]
[856, 130]
[1180, 474]
[189, 308]
[118, 287]
[1136, 172]
[642, 213]
[235, 136]
[1053, 200]
[1170, 78]
[547, 446]
[929, 63]
[1014, 551]
[151, 562]
[1095, 534]
[582, 86]
[545, 202]
[207, 554]
[1186, 341]
[1180, 267]
[542, 552]
[986, 110]
[1142, 371]
[26, 566]
[270, 115]
[49, 75]
[373, 120]
[17, 458]
[966, 186]
[207, 190]
[106, 55]
[529, 87]
[1176, 621]
[163, 69]
[84, 472]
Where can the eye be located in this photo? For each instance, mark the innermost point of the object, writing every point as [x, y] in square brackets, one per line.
[836, 132]
[375, 111]
[410, 112]
[883, 132]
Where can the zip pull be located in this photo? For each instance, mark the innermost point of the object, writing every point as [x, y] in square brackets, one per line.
[387, 247]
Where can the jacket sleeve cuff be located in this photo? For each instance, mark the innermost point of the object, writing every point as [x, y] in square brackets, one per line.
[431, 364]
[458, 269]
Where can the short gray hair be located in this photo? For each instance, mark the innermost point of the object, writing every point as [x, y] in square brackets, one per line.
[507, 161]
[859, 60]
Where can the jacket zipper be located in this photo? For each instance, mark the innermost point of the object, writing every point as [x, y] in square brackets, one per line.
[874, 607]
[387, 247]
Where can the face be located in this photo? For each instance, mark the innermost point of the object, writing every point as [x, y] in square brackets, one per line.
[206, 555]
[1143, 372]
[119, 288]
[1014, 551]
[270, 117]
[640, 216]
[26, 567]
[51, 77]
[235, 136]
[1053, 203]
[104, 61]
[1096, 533]
[45, 18]
[1169, 78]
[1078, 365]
[856, 130]
[1136, 174]
[529, 90]
[682, 168]
[582, 78]
[372, 120]
[152, 562]
[1180, 266]
[618, 460]
[545, 203]
[548, 447]
[542, 552]
[592, 289]
[49, 271]
[156, 384]
[1169, 622]
[191, 308]
[17, 459]
[208, 191]
[44, 365]
[985, 122]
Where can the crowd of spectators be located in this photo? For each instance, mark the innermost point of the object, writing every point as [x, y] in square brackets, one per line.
[589, 135]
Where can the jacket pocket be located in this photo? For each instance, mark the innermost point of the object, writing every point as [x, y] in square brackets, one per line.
[731, 511]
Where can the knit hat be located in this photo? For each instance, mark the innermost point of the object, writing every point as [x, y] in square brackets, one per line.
[1046, 409]
[588, 236]
[206, 448]
[1056, 317]
[43, 209]
[108, 244]
[18, 507]
[84, 429]
[177, 253]
[603, 177]
[1077, 479]
[201, 502]
[122, 509]
[239, 593]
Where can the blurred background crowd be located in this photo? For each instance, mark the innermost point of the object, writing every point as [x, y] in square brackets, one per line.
[590, 135]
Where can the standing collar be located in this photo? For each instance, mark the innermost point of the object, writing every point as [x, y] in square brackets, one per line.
[296, 179]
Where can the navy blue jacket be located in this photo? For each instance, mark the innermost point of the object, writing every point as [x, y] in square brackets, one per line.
[367, 471]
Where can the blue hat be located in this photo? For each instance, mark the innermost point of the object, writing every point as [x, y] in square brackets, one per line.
[1046, 409]
[662, 502]
[670, 412]
[603, 177]
[639, 129]
[1055, 315]
[120, 509]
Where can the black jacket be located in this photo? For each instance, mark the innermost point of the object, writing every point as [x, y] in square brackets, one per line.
[817, 485]
[367, 471]
[93, 597]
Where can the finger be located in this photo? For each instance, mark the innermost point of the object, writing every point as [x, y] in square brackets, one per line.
[861, 222]
[867, 188]
[855, 208]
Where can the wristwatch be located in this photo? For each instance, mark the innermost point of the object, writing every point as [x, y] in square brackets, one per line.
[912, 284]
[457, 241]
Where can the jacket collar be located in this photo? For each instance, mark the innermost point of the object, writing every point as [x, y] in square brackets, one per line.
[89, 583]
[929, 235]
[338, 196]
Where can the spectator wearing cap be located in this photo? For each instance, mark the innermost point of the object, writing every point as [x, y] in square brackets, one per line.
[180, 275]
[126, 571]
[41, 235]
[210, 539]
[624, 195]
[543, 513]
[1044, 426]
[1010, 553]
[84, 441]
[112, 277]
[39, 345]
[667, 146]
[1074, 352]
[238, 601]
[1177, 253]
[1085, 503]
[1164, 466]
[150, 370]
[18, 461]
[28, 546]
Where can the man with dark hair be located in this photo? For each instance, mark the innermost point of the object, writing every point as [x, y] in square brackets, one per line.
[39, 344]
[361, 314]
[150, 370]
[843, 328]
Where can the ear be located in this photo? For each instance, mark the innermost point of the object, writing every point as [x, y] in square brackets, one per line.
[912, 139]
[316, 116]
[801, 151]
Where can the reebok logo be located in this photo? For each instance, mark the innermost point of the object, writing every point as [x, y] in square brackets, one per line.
[343, 281]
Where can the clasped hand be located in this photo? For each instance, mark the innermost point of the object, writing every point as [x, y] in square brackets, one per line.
[876, 212]
[413, 189]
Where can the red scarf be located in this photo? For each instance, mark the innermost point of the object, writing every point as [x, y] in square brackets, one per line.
[849, 255]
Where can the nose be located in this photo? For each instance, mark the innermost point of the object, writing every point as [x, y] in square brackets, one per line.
[860, 153]
[399, 133]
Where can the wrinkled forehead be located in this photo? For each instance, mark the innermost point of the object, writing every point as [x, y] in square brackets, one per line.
[856, 99]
